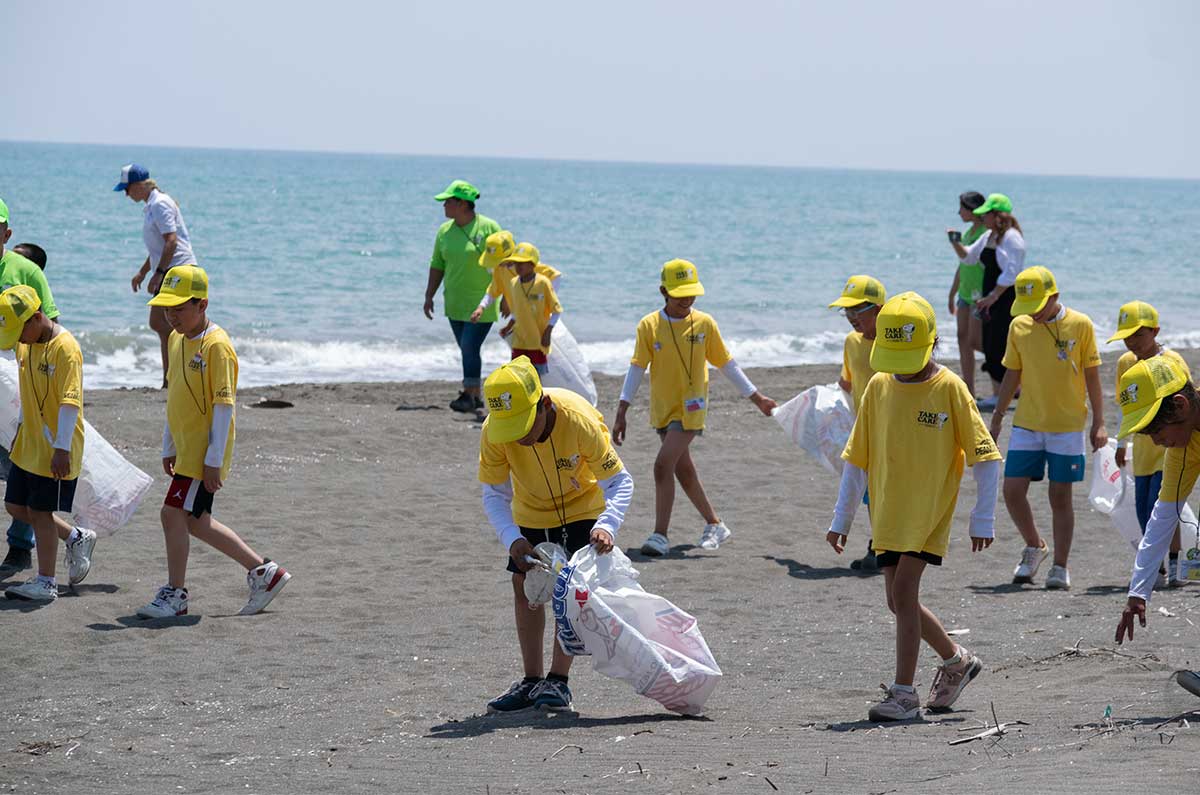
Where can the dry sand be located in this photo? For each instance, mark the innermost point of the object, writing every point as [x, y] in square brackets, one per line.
[371, 671]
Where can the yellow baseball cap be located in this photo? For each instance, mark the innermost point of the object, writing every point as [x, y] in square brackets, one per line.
[524, 252]
[1133, 316]
[17, 305]
[496, 249]
[907, 329]
[1033, 287]
[511, 394]
[1142, 388]
[181, 284]
[861, 289]
[681, 279]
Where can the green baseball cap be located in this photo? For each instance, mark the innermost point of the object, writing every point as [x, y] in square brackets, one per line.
[995, 201]
[459, 189]
[3, 212]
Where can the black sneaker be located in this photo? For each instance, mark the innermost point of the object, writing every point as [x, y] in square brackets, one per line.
[867, 562]
[16, 560]
[519, 696]
[478, 402]
[464, 403]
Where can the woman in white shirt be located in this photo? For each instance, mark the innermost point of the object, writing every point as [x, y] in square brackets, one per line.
[166, 239]
[1002, 253]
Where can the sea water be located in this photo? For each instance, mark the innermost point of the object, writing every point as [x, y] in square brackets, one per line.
[319, 261]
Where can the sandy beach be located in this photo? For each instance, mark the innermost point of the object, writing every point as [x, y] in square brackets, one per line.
[371, 671]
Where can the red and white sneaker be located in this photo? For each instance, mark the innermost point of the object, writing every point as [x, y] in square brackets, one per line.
[265, 581]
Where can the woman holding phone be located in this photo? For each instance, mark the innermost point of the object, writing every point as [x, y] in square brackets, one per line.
[967, 288]
[1002, 253]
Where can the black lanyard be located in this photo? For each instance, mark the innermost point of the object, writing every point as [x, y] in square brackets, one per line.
[561, 513]
[202, 403]
[687, 365]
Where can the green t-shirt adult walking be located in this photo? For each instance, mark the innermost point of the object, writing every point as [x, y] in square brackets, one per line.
[455, 263]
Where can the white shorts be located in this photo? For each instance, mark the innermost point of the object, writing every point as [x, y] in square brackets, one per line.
[1070, 443]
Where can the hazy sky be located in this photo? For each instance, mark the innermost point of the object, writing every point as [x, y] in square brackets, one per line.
[1094, 87]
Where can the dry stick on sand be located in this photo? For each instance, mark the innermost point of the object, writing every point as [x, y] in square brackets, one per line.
[1071, 652]
[560, 750]
[996, 730]
[43, 747]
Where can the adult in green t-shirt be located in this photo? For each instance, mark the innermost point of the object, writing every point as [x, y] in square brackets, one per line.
[966, 290]
[16, 269]
[455, 263]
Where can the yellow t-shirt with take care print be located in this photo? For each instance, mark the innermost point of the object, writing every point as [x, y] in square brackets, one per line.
[856, 364]
[1147, 456]
[678, 352]
[1051, 358]
[502, 278]
[201, 372]
[555, 481]
[51, 376]
[912, 440]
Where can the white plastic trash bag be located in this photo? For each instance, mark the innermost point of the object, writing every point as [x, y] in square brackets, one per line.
[566, 367]
[1112, 494]
[600, 610]
[109, 489]
[819, 420]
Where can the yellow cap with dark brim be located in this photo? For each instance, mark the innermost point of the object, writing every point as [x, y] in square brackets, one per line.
[1142, 389]
[511, 394]
[906, 330]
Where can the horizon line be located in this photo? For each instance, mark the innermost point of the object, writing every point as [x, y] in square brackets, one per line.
[606, 161]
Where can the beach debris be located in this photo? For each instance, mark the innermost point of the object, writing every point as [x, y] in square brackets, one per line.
[43, 747]
[997, 729]
[272, 403]
[1162, 611]
[428, 407]
[958, 632]
[560, 750]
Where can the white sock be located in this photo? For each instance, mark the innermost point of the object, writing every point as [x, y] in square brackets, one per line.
[74, 536]
[957, 658]
[48, 580]
[903, 688]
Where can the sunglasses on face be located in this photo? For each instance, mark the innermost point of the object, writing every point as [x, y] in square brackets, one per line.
[855, 311]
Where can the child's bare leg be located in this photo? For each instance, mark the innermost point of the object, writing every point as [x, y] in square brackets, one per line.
[175, 534]
[674, 444]
[1063, 513]
[560, 661]
[689, 480]
[976, 329]
[932, 631]
[1016, 499]
[223, 539]
[904, 585]
[966, 352]
[531, 625]
[45, 535]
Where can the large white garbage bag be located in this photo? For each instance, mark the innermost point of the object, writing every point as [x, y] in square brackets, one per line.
[1112, 494]
[819, 420]
[109, 488]
[600, 610]
[566, 367]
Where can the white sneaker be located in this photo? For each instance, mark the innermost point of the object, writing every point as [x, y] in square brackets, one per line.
[896, 705]
[714, 535]
[1031, 560]
[265, 581]
[1058, 578]
[78, 556]
[1162, 581]
[168, 603]
[656, 545]
[33, 590]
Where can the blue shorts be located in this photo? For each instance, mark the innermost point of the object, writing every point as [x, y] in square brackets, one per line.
[1032, 453]
[1145, 494]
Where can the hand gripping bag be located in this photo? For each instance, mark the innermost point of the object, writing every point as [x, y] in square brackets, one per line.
[819, 421]
[109, 489]
[640, 638]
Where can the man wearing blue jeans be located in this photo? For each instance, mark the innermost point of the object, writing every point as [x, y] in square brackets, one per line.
[20, 535]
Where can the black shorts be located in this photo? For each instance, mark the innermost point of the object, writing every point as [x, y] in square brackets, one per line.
[189, 494]
[579, 535]
[886, 559]
[38, 492]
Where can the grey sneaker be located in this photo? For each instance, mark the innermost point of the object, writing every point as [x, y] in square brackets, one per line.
[34, 590]
[656, 546]
[1031, 560]
[78, 556]
[951, 680]
[896, 705]
[519, 696]
[1059, 579]
[168, 603]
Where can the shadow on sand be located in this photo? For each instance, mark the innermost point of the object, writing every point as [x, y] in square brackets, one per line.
[478, 725]
[803, 571]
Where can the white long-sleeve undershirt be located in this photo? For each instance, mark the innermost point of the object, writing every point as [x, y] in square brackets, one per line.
[67, 417]
[497, 505]
[731, 370]
[218, 434]
[1155, 543]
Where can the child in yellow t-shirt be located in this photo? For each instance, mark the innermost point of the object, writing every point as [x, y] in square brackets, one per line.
[48, 451]
[678, 343]
[1052, 357]
[198, 445]
[1137, 326]
[915, 428]
[495, 259]
[859, 302]
[535, 308]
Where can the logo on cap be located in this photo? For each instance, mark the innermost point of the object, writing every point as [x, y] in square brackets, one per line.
[173, 282]
[1124, 318]
[1129, 395]
[1026, 289]
[502, 402]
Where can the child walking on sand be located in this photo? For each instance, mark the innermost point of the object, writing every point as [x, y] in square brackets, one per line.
[1052, 357]
[48, 451]
[498, 247]
[1137, 326]
[859, 302]
[678, 343]
[198, 446]
[915, 428]
[534, 306]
